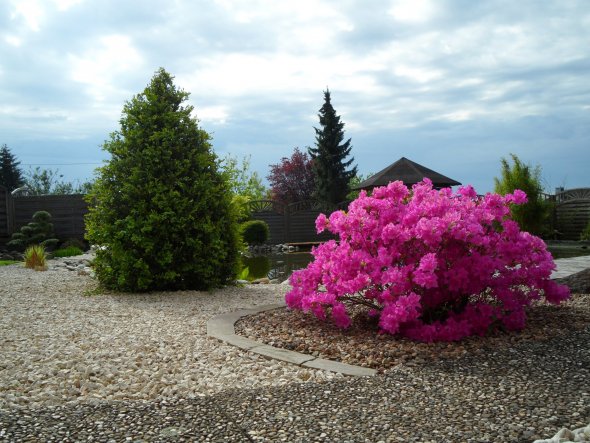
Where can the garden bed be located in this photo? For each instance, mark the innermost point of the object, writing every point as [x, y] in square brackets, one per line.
[362, 345]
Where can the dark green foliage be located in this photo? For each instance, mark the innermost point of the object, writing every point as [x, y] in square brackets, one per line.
[76, 242]
[70, 251]
[38, 232]
[329, 165]
[532, 216]
[255, 232]
[585, 234]
[10, 174]
[160, 210]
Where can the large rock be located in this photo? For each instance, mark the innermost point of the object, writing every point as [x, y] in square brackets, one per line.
[578, 283]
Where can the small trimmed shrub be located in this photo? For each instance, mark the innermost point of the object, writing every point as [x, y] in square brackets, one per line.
[38, 232]
[585, 235]
[68, 252]
[255, 232]
[35, 258]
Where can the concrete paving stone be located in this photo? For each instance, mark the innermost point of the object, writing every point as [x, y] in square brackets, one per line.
[240, 342]
[282, 354]
[343, 368]
[221, 327]
[569, 266]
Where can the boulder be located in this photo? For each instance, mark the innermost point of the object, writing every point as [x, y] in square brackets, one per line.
[579, 283]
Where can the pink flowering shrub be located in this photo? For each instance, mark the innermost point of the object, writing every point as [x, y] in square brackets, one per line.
[430, 265]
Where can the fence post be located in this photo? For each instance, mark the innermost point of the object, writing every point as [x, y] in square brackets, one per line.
[10, 213]
[286, 236]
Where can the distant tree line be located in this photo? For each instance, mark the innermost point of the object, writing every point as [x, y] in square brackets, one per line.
[37, 181]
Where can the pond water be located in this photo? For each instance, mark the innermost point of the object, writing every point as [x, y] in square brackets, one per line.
[275, 266]
[281, 266]
[568, 251]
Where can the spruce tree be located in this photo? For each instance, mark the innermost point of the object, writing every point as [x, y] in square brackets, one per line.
[10, 174]
[329, 165]
[160, 209]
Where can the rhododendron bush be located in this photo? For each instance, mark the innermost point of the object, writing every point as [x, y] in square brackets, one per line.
[430, 265]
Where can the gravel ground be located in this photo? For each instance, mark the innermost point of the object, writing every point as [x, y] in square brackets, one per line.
[61, 342]
[109, 367]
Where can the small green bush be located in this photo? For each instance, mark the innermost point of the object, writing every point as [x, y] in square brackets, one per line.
[255, 232]
[585, 235]
[68, 252]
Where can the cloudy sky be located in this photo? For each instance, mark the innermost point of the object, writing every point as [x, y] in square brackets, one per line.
[452, 84]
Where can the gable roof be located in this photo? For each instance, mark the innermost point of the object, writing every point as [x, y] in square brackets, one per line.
[408, 172]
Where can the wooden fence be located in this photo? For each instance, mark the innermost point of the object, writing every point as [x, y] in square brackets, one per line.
[572, 212]
[5, 227]
[294, 223]
[67, 213]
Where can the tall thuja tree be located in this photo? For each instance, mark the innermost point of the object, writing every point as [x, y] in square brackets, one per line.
[10, 174]
[329, 156]
[160, 209]
[533, 215]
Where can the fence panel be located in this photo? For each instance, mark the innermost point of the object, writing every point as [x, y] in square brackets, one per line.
[572, 212]
[294, 223]
[4, 212]
[302, 217]
[274, 215]
[67, 213]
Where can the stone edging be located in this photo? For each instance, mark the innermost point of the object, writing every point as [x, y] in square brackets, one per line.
[221, 327]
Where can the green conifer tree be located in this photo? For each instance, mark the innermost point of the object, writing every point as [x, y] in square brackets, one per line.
[160, 209]
[10, 174]
[329, 154]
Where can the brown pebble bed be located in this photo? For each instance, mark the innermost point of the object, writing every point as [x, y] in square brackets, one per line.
[362, 345]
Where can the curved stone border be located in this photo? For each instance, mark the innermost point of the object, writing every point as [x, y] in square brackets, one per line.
[221, 327]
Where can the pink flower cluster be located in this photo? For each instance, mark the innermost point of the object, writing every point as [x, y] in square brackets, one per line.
[432, 265]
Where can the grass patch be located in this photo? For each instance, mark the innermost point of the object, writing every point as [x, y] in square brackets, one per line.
[8, 262]
[70, 251]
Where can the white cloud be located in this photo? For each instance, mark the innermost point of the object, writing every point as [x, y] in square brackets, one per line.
[212, 114]
[31, 11]
[420, 75]
[13, 40]
[64, 5]
[413, 11]
[100, 68]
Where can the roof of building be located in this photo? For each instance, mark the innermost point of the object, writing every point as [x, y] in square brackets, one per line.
[408, 172]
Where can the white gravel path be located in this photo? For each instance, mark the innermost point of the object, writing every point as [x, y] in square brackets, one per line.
[61, 342]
